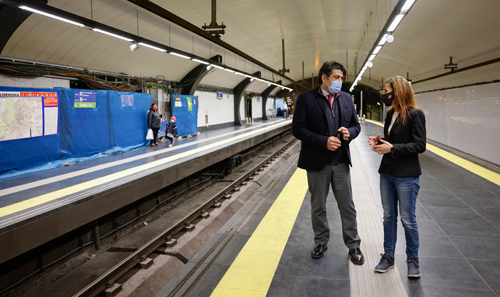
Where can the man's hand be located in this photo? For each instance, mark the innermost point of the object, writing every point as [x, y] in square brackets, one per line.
[345, 133]
[373, 141]
[333, 143]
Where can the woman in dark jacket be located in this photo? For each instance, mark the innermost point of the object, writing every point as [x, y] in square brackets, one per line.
[405, 138]
[154, 123]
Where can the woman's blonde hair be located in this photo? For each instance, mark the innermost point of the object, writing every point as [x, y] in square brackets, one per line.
[404, 100]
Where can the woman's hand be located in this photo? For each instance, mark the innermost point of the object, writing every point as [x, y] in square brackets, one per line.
[383, 148]
[373, 140]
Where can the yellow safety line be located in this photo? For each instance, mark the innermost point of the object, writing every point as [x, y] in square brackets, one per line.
[253, 270]
[13, 208]
[474, 168]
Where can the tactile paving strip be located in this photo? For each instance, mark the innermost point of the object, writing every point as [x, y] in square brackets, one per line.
[364, 281]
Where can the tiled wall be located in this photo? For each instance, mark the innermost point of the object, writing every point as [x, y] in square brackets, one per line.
[466, 118]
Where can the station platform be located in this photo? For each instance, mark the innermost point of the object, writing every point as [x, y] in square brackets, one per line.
[38, 207]
[264, 250]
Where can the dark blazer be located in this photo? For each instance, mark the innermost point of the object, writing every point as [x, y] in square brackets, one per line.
[310, 125]
[408, 140]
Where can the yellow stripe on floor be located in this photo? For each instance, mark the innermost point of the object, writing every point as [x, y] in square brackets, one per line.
[253, 270]
[474, 168]
[35, 201]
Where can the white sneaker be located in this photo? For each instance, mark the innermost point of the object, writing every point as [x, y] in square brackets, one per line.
[170, 145]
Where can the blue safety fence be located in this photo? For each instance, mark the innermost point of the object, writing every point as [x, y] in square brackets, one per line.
[185, 110]
[118, 123]
[163, 126]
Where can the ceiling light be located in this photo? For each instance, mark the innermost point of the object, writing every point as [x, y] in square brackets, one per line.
[390, 38]
[377, 49]
[395, 23]
[216, 66]
[51, 16]
[237, 73]
[133, 47]
[180, 55]
[229, 70]
[153, 47]
[371, 57]
[200, 61]
[407, 5]
[383, 40]
[111, 34]
[369, 64]
[252, 79]
[246, 75]
[208, 67]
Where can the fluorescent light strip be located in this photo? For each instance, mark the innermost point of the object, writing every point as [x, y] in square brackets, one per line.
[383, 40]
[229, 70]
[179, 55]
[407, 5]
[371, 57]
[153, 47]
[200, 61]
[216, 66]
[111, 34]
[377, 49]
[237, 73]
[395, 23]
[246, 75]
[51, 16]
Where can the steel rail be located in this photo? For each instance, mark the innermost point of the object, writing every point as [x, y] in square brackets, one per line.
[107, 279]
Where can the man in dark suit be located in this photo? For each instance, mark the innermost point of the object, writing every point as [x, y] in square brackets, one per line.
[325, 121]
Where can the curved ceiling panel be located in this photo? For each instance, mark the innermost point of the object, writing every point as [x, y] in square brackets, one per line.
[314, 31]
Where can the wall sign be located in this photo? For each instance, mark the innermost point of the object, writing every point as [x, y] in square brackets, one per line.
[28, 114]
[85, 99]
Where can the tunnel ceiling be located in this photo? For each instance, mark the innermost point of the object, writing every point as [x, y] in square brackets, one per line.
[314, 31]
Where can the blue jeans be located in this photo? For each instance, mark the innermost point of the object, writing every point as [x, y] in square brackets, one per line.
[403, 190]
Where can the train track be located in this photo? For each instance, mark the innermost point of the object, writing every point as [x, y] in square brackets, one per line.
[107, 280]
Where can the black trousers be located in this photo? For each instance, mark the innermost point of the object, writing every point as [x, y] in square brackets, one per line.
[155, 135]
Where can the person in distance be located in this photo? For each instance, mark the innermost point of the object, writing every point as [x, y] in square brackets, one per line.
[154, 123]
[171, 130]
[405, 138]
[325, 121]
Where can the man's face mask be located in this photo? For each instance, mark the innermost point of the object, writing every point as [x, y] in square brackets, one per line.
[335, 86]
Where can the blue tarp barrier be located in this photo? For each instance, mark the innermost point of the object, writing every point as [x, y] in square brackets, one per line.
[185, 110]
[118, 123]
[163, 126]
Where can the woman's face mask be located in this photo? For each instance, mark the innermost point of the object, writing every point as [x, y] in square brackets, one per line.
[155, 108]
[387, 98]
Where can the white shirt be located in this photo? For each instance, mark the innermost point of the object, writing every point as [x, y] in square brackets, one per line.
[394, 117]
[325, 93]
[284, 106]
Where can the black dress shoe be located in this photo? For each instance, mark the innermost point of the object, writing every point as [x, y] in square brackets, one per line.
[356, 256]
[319, 251]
